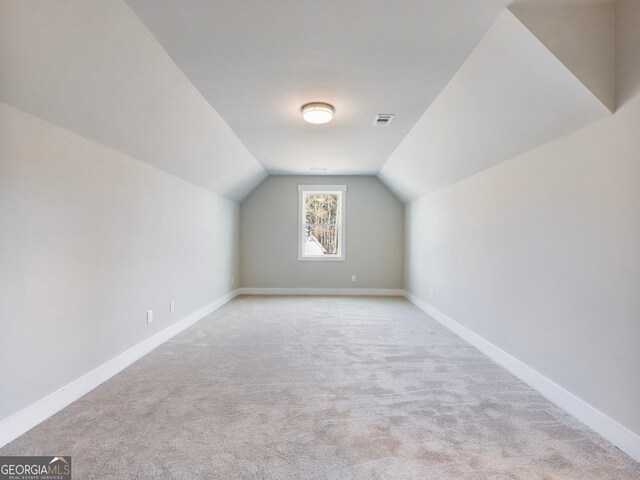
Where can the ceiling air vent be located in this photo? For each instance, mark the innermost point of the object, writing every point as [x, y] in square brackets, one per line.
[383, 119]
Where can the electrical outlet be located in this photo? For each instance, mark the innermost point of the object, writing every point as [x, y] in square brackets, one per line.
[149, 316]
[433, 293]
[172, 306]
[353, 278]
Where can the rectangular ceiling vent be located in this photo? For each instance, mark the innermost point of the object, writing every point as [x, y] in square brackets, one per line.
[383, 119]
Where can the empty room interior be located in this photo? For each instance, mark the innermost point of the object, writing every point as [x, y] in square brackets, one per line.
[295, 239]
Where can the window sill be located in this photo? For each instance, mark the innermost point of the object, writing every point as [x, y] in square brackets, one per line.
[321, 259]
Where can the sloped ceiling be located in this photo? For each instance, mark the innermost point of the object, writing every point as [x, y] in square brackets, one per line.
[511, 95]
[93, 68]
[468, 91]
[581, 35]
[258, 62]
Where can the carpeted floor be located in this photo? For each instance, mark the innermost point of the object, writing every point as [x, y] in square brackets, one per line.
[320, 388]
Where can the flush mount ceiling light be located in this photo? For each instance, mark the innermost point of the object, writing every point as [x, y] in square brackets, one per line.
[317, 112]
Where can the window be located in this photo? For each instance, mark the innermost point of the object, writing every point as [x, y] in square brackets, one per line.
[321, 222]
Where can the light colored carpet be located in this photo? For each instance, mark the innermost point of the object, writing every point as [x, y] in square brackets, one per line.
[320, 388]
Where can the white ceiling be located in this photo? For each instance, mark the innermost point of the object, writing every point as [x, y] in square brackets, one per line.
[511, 95]
[581, 34]
[257, 62]
[92, 67]
[210, 90]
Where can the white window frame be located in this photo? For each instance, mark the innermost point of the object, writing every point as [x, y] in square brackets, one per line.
[341, 191]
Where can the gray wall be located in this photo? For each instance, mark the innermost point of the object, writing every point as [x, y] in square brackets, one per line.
[541, 255]
[91, 239]
[269, 236]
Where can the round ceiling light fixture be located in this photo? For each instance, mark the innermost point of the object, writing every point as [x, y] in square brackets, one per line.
[317, 112]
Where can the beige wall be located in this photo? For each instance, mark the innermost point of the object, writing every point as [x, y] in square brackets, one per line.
[269, 236]
[540, 255]
[91, 239]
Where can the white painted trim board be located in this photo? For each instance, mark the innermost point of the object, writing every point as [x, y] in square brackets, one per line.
[387, 292]
[618, 435]
[27, 418]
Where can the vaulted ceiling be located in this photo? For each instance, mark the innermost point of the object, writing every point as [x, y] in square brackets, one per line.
[210, 90]
[511, 95]
[258, 62]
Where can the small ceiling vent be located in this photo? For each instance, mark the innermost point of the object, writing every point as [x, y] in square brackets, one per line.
[383, 119]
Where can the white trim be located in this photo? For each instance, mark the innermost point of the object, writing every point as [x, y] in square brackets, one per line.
[623, 438]
[386, 292]
[618, 435]
[24, 420]
[342, 199]
[324, 258]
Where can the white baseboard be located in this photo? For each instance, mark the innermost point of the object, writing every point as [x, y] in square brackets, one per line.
[23, 421]
[618, 435]
[387, 292]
